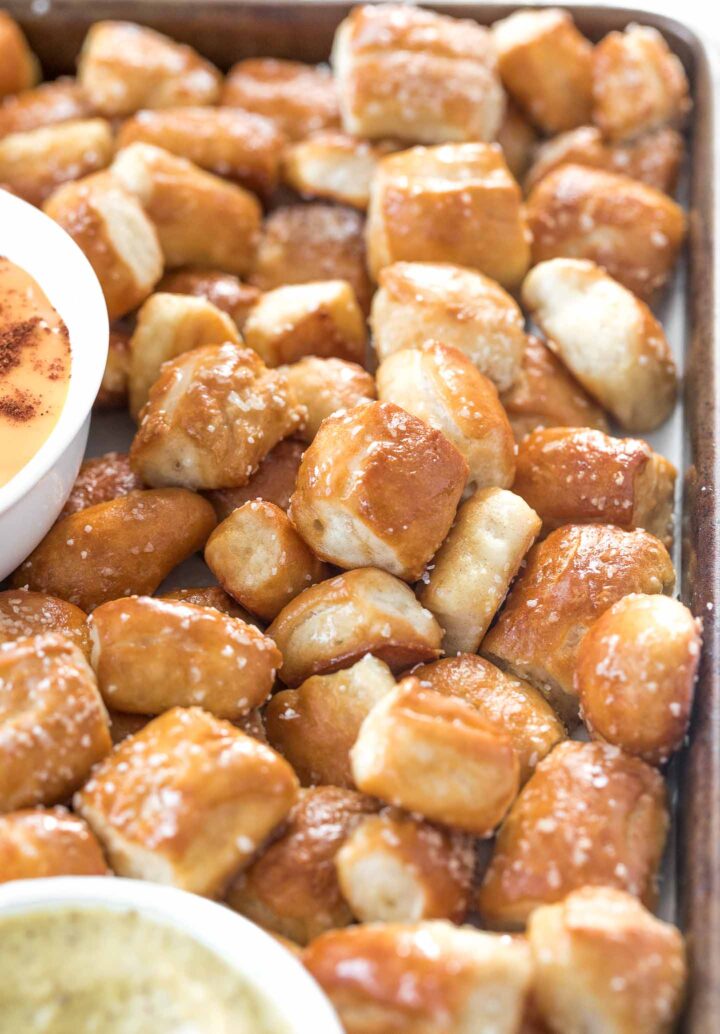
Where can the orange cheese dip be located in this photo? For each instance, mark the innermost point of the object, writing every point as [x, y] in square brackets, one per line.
[34, 368]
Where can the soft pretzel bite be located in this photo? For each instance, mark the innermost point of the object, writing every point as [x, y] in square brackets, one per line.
[212, 415]
[38, 842]
[422, 301]
[298, 99]
[434, 755]
[24, 613]
[547, 395]
[186, 801]
[603, 962]
[578, 475]
[512, 705]
[259, 558]
[209, 596]
[606, 337]
[274, 480]
[570, 579]
[224, 290]
[326, 386]
[113, 390]
[19, 68]
[101, 479]
[439, 385]
[417, 75]
[377, 488]
[589, 815]
[200, 219]
[124, 67]
[124, 725]
[53, 723]
[638, 83]
[334, 166]
[472, 571]
[123, 547]
[394, 867]
[45, 105]
[635, 675]
[454, 203]
[320, 318]
[546, 66]
[109, 226]
[633, 231]
[422, 978]
[518, 140]
[292, 888]
[302, 243]
[333, 624]
[315, 726]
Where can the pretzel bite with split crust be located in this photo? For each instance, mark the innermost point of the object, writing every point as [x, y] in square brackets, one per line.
[45, 105]
[223, 290]
[604, 962]
[518, 140]
[332, 625]
[36, 162]
[113, 391]
[107, 223]
[422, 978]
[53, 723]
[24, 613]
[472, 571]
[315, 726]
[274, 480]
[40, 842]
[327, 386]
[635, 675]
[123, 725]
[377, 488]
[606, 337]
[210, 596]
[589, 815]
[212, 415]
[101, 479]
[334, 166]
[124, 67]
[298, 99]
[19, 68]
[454, 203]
[186, 801]
[124, 547]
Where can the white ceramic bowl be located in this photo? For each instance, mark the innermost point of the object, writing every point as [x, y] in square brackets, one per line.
[30, 501]
[264, 964]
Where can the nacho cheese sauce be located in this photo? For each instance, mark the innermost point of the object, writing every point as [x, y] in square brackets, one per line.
[97, 971]
[34, 368]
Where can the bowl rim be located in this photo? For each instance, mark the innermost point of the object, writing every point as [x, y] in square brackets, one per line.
[49, 254]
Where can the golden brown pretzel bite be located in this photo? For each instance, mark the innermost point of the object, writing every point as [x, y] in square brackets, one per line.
[222, 289]
[40, 842]
[298, 99]
[123, 725]
[333, 624]
[274, 480]
[53, 723]
[113, 391]
[186, 801]
[326, 386]
[589, 815]
[46, 105]
[101, 479]
[315, 726]
[209, 596]
[19, 68]
[334, 166]
[24, 613]
[635, 674]
[123, 547]
[518, 139]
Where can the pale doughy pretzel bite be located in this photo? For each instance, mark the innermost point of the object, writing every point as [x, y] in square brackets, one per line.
[123, 547]
[603, 962]
[124, 67]
[633, 231]
[24, 613]
[292, 888]
[635, 675]
[211, 417]
[46, 105]
[377, 488]
[413, 74]
[422, 978]
[607, 338]
[471, 572]
[435, 755]
[259, 558]
[113, 391]
[101, 479]
[320, 318]
[638, 83]
[589, 815]
[209, 596]
[431, 301]
[439, 385]
[200, 219]
[518, 139]
[578, 475]
[326, 386]
[107, 222]
[570, 579]
[334, 166]
[19, 68]
[38, 842]
[315, 726]
[396, 868]
[332, 625]
[53, 723]
[274, 480]
[222, 289]
[454, 203]
[186, 801]
[546, 66]
[298, 99]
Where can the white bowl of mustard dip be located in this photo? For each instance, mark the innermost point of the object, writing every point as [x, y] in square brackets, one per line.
[53, 348]
[100, 955]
